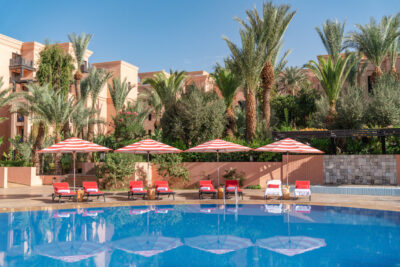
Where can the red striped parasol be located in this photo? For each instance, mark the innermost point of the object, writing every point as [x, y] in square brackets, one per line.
[218, 146]
[148, 146]
[74, 145]
[287, 146]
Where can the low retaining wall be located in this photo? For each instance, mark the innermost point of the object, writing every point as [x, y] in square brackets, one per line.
[301, 167]
[23, 175]
[361, 169]
[3, 177]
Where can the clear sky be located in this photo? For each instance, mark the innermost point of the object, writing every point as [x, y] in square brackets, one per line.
[174, 34]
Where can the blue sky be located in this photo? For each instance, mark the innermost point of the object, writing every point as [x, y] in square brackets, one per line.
[174, 34]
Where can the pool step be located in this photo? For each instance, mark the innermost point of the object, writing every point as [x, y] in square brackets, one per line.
[355, 190]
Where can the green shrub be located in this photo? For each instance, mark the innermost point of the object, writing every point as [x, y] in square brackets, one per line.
[350, 109]
[232, 174]
[171, 166]
[117, 167]
[254, 186]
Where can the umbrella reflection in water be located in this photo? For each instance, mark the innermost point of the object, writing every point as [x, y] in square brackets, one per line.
[72, 251]
[292, 245]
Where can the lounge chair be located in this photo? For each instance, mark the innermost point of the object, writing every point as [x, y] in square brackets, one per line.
[230, 186]
[302, 189]
[92, 190]
[274, 188]
[136, 189]
[62, 190]
[162, 188]
[206, 187]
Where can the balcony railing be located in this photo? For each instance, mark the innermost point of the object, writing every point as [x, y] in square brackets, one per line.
[20, 118]
[19, 61]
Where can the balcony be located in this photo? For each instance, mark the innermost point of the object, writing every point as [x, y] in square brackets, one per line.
[20, 62]
[20, 118]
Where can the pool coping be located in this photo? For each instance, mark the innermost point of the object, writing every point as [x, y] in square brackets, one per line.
[85, 205]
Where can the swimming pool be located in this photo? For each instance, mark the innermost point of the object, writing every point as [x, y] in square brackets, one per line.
[201, 235]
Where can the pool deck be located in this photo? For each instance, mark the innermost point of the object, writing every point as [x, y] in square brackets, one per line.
[24, 198]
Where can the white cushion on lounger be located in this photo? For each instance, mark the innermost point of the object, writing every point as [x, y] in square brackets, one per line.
[137, 189]
[64, 191]
[230, 188]
[92, 190]
[302, 192]
[162, 188]
[273, 192]
[205, 188]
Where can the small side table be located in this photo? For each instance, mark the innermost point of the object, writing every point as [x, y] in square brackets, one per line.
[220, 192]
[285, 192]
[151, 194]
[79, 195]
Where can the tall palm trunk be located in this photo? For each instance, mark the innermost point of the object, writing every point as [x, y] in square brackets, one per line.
[250, 114]
[231, 122]
[332, 113]
[377, 73]
[37, 146]
[78, 77]
[267, 77]
[57, 162]
[394, 72]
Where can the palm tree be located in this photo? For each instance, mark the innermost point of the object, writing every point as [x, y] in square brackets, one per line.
[164, 91]
[332, 36]
[48, 108]
[393, 54]
[269, 30]
[119, 91]
[80, 44]
[332, 76]
[91, 86]
[83, 118]
[228, 84]
[247, 62]
[5, 97]
[291, 79]
[374, 40]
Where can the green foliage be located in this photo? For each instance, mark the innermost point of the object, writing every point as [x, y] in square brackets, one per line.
[55, 68]
[299, 108]
[291, 80]
[195, 118]
[332, 35]
[227, 83]
[384, 106]
[23, 149]
[170, 166]
[80, 44]
[351, 109]
[116, 169]
[253, 186]
[332, 75]
[374, 39]
[233, 174]
[119, 91]
[129, 122]
[66, 163]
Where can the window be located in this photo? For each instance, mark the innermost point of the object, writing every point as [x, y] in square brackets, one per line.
[149, 117]
[370, 84]
[149, 132]
[20, 117]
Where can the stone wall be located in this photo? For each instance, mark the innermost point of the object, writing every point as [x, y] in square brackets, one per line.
[360, 169]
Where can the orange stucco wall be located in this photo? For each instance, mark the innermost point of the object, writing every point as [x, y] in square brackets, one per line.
[3, 177]
[256, 173]
[23, 175]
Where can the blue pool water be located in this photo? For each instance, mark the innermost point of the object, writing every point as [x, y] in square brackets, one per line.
[201, 235]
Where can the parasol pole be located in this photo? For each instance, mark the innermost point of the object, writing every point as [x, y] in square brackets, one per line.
[74, 159]
[148, 167]
[287, 168]
[218, 165]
